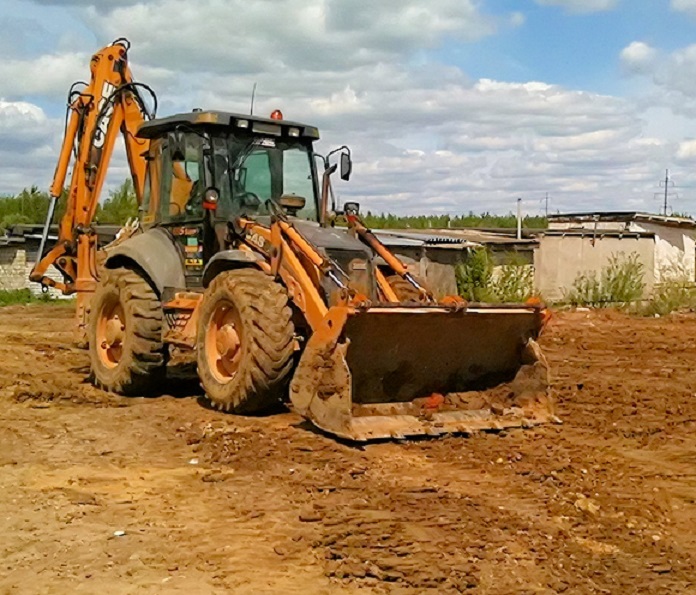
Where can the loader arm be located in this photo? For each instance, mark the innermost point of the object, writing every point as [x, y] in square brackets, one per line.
[295, 261]
[391, 370]
[108, 106]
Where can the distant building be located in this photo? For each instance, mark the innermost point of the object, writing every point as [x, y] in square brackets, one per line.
[429, 257]
[577, 243]
[17, 257]
[18, 250]
[430, 254]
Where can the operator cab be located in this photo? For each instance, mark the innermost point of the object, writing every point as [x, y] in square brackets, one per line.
[207, 168]
[230, 164]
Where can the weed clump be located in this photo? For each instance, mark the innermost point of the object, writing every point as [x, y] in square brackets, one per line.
[620, 282]
[479, 280]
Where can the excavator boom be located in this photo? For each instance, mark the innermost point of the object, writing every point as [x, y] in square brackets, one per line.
[108, 106]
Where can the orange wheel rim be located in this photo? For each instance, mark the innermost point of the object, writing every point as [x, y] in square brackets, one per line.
[111, 333]
[223, 342]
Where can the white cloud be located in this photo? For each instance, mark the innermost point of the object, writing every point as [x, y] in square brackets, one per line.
[582, 6]
[425, 137]
[248, 36]
[673, 75]
[638, 57]
[21, 116]
[47, 75]
[687, 150]
[517, 19]
[27, 145]
[679, 72]
[688, 6]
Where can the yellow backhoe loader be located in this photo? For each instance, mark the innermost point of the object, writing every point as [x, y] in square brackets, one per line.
[240, 257]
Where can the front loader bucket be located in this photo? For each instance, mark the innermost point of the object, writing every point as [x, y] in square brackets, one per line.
[392, 372]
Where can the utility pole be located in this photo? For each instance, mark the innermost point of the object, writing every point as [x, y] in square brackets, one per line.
[519, 218]
[667, 183]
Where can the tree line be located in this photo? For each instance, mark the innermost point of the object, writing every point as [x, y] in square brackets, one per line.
[484, 220]
[30, 206]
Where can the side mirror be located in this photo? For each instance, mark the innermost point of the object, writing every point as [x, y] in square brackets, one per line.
[351, 208]
[176, 141]
[346, 166]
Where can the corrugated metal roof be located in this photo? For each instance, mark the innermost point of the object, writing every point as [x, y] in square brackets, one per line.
[600, 233]
[621, 216]
[470, 237]
[425, 238]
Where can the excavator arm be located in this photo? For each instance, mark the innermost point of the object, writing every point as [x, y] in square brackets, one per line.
[109, 105]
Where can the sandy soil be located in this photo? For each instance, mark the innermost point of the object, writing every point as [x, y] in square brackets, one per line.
[103, 494]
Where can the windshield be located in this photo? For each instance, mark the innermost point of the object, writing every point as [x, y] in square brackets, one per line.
[251, 171]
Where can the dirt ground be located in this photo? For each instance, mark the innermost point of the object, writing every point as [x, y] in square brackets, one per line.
[104, 494]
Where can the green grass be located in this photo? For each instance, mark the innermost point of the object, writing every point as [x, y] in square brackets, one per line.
[12, 297]
[479, 281]
[671, 296]
[619, 283]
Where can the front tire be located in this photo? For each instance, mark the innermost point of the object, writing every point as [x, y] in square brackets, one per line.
[126, 351]
[245, 341]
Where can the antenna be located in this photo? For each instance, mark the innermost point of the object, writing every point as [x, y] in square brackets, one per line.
[253, 95]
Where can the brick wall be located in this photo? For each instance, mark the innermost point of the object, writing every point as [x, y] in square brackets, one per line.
[15, 266]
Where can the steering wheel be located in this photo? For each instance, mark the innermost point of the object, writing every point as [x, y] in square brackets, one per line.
[255, 201]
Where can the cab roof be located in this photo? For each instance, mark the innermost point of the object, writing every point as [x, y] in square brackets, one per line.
[214, 119]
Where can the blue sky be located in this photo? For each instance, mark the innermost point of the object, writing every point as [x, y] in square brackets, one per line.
[565, 48]
[501, 98]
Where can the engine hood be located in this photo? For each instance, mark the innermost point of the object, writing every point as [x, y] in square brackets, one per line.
[330, 238]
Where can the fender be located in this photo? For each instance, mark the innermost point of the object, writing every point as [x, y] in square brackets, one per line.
[155, 253]
[229, 259]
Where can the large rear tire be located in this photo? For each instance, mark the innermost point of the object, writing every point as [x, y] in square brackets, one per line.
[126, 351]
[245, 341]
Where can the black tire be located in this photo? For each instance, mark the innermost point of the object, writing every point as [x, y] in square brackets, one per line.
[404, 291]
[256, 375]
[134, 363]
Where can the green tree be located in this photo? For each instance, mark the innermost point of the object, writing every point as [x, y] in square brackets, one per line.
[484, 220]
[121, 205]
[29, 206]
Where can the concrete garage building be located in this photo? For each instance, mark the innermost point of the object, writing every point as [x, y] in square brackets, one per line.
[18, 250]
[17, 256]
[573, 244]
[431, 257]
[578, 243]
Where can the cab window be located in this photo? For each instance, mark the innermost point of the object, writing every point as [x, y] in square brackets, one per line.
[269, 172]
[181, 189]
